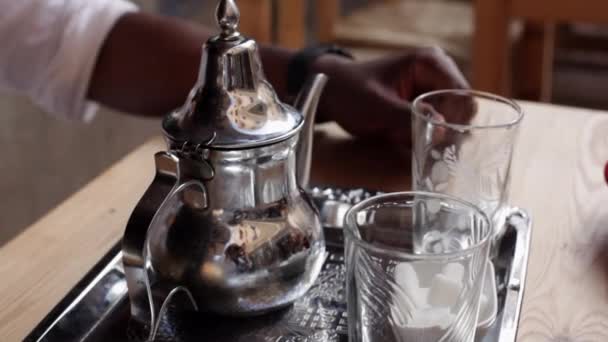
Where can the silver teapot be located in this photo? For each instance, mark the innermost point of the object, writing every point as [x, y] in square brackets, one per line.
[225, 222]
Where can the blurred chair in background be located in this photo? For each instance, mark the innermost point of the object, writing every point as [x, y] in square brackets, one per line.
[492, 67]
[385, 25]
[374, 27]
[372, 24]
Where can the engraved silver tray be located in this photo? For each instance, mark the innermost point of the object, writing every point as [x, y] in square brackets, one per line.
[97, 309]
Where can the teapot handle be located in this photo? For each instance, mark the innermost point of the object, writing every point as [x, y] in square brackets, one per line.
[174, 173]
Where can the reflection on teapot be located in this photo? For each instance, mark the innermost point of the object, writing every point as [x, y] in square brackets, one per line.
[225, 220]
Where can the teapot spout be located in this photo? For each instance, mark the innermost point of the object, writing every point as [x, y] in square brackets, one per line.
[307, 102]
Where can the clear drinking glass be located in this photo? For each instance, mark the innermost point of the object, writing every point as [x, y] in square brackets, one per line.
[463, 146]
[415, 264]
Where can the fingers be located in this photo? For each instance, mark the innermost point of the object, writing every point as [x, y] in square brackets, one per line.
[433, 69]
[370, 110]
[456, 108]
[438, 133]
[374, 97]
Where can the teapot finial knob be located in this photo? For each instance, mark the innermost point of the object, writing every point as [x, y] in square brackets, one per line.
[227, 16]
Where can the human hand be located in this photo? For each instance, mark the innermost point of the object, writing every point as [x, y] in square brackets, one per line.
[373, 99]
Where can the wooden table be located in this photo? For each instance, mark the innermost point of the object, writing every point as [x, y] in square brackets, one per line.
[557, 177]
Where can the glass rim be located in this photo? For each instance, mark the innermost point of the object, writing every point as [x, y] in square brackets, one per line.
[350, 225]
[476, 93]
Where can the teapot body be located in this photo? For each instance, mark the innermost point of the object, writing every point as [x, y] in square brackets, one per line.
[230, 229]
[257, 243]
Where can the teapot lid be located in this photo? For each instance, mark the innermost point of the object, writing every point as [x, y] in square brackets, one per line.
[232, 105]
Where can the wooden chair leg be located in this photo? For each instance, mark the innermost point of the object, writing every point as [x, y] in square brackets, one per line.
[491, 57]
[256, 19]
[291, 23]
[327, 13]
[534, 62]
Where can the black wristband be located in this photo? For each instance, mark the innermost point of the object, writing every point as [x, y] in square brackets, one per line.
[298, 69]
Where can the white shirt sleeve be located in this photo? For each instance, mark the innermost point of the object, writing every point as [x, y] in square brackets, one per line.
[48, 49]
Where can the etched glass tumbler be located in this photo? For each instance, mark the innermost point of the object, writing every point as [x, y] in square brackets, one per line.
[463, 146]
[415, 265]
